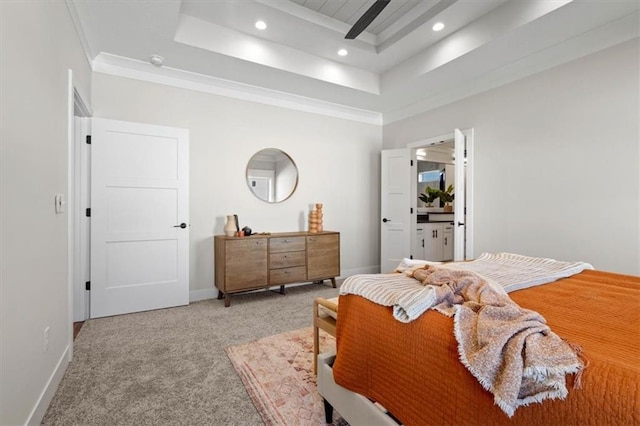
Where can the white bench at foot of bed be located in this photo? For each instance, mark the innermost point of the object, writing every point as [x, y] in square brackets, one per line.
[353, 407]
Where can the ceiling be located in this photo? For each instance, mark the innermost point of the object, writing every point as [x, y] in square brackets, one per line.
[398, 67]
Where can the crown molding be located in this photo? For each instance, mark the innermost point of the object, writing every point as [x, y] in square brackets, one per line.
[73, 12]
[138, 70]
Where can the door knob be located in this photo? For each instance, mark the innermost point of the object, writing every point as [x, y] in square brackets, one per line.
[182, 225]
[385, 220]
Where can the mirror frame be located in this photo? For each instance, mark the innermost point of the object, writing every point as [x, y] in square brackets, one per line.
[284, 156]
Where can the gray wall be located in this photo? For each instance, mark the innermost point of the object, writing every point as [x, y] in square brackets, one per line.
[38, 46]
[556, 160]
[338, 163]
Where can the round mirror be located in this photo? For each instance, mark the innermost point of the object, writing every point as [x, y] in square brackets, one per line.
[272, 175]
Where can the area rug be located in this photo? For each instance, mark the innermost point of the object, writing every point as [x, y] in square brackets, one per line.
[277, 372]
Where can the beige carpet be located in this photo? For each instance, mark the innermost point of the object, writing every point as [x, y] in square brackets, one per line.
[277, 372]
[169, 367]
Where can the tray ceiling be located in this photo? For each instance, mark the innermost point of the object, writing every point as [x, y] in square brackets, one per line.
[398, 67]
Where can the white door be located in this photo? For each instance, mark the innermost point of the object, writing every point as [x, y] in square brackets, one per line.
[460, 195]
[139, 217]
[261, 183]
[394, 210]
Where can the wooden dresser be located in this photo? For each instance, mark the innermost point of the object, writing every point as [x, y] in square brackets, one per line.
[260, 261]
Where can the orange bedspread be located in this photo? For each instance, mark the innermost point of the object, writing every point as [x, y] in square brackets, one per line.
[414, 371]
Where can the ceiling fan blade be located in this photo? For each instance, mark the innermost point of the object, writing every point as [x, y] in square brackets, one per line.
[367, 18]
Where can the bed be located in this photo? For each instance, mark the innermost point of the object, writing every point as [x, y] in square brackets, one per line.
[412, 369]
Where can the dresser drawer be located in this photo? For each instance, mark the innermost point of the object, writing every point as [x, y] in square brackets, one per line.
[288, 275]
[284, 244]
[287, 260]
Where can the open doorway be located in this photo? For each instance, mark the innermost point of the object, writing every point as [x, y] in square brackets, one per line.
[399, 199]
[435, 176]
[442, 197]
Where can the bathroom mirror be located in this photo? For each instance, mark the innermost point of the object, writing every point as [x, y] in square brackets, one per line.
[272, 176]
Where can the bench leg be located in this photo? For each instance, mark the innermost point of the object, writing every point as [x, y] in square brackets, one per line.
[328, 412]
[316, 348]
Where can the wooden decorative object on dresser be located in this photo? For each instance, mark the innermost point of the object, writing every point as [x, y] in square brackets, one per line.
[261, 261]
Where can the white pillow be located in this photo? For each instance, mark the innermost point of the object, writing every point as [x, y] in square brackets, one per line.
[411, 264]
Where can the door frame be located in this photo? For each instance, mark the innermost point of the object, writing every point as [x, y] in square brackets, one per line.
[469, 187]
[76, 107]
[82, 129]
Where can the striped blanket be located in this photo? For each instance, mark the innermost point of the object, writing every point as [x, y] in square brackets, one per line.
[504, 272]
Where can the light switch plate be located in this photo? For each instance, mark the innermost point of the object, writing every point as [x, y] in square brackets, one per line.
[59, 201]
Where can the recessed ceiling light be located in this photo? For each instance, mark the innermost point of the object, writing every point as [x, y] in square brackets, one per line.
[343, 52]
[261, 25]
[156, 60]
[437, 26]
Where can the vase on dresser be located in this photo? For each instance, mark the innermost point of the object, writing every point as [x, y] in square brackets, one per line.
[230, 226]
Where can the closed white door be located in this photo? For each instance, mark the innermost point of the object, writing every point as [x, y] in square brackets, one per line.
[139, 217]
[395, 208]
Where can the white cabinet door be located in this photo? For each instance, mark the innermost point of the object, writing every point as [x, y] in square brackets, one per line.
[418, 248]
[433, 237]
[447, 242]
[139, 217]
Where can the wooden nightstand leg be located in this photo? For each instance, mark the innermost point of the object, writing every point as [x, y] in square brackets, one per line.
[281, 289]
[333, 282]
[227, 300]
[220, 295]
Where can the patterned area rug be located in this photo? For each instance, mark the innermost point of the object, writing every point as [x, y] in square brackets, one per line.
[277, 372]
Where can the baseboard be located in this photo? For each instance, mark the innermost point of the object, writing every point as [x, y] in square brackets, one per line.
[375, 269]
[197, 295]
[35, 418]
[212, 293]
